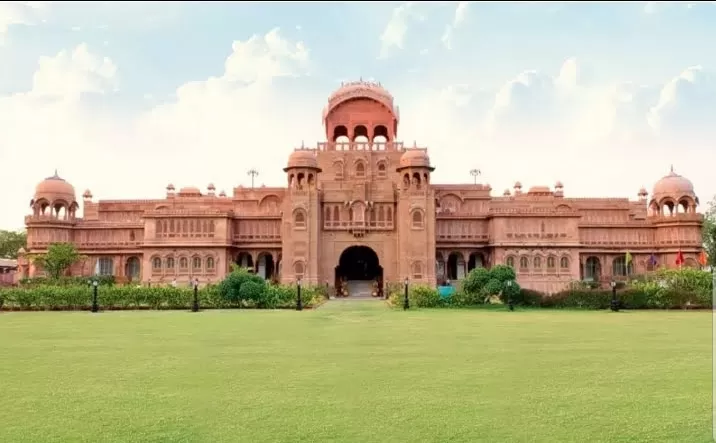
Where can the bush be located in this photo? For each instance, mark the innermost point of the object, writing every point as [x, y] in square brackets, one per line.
[419, 296]
[103, 280]
[132, 297]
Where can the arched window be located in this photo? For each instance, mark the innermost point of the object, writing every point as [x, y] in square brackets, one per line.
[327, 221]
[210, 263]
[510, 262]
[389, 215]
[338, 170]
[158, 226]
[564, 263]
[620, 268]
[299, 219]
[537, 263]
[196, 263]
[183, 263]
[170, 263]
[360, 170]
[417, 219]
[551, 262]
[106, 266]
[417, 270]
[336, 215]
[381, 170]
[592, 269]
[156, 263]
[524, 263]
[298, 269]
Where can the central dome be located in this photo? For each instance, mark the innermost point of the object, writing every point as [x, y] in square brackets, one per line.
[359, 90]
[673, 185]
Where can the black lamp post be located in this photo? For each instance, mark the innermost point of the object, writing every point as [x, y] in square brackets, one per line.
[615, 303]
[95, 307]
[406, 302]
[149, 283]
[510, 306]
[195, 305]
[299, 304]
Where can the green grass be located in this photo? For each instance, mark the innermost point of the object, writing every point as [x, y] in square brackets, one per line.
[358, 372]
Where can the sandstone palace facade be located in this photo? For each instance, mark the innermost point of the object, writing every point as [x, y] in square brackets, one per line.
[362, 206]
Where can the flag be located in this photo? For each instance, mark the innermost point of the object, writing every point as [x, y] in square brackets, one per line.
[652, 260]
[627, 258]
[703, 258]
[96, 267]
[679, 258]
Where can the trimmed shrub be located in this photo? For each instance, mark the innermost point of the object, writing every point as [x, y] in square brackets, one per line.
[420, 296]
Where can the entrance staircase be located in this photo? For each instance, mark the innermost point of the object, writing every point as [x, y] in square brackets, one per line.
[360, 289]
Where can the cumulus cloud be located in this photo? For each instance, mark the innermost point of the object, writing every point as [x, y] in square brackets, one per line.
[458, 19]
[210, 131]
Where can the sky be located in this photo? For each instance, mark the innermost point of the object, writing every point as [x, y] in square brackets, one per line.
[123, 98]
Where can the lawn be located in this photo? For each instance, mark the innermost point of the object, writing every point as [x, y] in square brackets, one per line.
[355, 371]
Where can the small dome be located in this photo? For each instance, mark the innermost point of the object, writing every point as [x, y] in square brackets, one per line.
[518, 185]
[211, 187]
[507, 193]
[87, 195]
[55, 188]
[673, 185]
[643, 192]
[415, 158]
[189, 191]
[558, 184]
[222, 194]
[170, 187]
[302, 158]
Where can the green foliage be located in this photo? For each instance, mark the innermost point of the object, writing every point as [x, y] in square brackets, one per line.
[230, 287]
[482, 285]
[709, 232]
[420, 296]
[102, 280]
[46, 297]
[11, 242]
[58, 259]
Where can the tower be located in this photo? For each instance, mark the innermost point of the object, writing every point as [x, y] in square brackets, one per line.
[301, 219]
[416, 216]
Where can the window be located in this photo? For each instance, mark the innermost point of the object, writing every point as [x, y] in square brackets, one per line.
[196, 264]
[183, 263]
[156, 263]
[299, 219]
[360, 169]
[106, 266]
[510, 262]
[551, 262]
[210, 263]
[620, 268]
[417, 270]
[298, 269]
[417, 220]
[170, 263]
[592, 268]
[381, 170]
[564, 263]
[338, 170]
[524, 263]
[537, 263]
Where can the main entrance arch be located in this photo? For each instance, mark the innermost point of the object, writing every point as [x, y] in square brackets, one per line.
[359, 267]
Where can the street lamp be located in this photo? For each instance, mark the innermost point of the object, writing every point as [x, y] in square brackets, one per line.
[406, 303]
[95, 307]
[475, 173]
[299, 304]
[195, 305]
[615, 304]
[510, 306]
[149, 283]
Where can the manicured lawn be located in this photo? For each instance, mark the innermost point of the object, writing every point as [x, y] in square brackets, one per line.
[358, 372]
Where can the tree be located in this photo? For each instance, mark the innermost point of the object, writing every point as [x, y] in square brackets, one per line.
[11, 242]
[58, 259]
[709, 232]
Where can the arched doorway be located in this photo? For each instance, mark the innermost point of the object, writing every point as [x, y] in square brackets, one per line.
[133, 269]
[359, 270]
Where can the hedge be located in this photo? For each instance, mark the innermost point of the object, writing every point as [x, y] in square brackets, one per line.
[55, 297]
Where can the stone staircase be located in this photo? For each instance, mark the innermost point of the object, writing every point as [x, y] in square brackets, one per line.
[360, 289]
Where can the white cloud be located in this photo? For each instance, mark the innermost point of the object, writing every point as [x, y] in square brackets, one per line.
[19, 13]
[211, 132]
[393, 36]
[458, 19]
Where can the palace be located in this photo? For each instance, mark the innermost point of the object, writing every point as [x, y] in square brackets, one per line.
[362, 206]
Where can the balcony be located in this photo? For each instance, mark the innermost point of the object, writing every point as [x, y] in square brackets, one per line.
[351, 225]
[360, 146]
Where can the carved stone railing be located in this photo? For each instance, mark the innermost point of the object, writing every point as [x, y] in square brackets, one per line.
[463, 237]
[329, 225]
[360, 146]
[261, 238]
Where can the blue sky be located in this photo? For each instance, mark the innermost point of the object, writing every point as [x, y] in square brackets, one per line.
[603, 97]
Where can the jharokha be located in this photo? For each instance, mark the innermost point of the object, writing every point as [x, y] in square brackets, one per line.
[362, 206]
